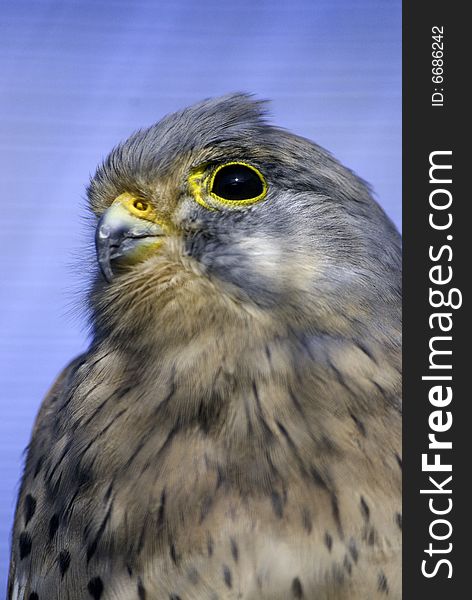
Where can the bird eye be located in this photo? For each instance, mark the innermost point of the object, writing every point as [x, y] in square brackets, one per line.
[237, 183]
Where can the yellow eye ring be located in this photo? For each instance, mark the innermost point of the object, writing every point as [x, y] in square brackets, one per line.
[238, 184]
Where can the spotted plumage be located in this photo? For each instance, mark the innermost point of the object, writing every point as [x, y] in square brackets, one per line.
[234, 429]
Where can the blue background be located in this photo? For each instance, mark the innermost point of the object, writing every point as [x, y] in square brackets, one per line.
[78, 76]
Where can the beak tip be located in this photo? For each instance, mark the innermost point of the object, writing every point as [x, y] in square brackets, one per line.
[105, 268]
[106, 271]
[102, 246]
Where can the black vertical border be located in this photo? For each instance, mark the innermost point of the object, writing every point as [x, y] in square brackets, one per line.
[426, 129]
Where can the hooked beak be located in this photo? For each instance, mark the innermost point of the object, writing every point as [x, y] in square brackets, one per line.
[126, 233]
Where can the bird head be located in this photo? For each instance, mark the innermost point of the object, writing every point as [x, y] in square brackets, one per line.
[214, 217]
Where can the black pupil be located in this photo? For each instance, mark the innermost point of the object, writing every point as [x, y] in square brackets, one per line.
[237, 182]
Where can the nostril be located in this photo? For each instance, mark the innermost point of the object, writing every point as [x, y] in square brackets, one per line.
[140, 205]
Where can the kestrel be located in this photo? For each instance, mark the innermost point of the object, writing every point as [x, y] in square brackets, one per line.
[234, 430]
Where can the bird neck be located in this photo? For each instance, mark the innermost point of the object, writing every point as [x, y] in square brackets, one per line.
[250, 401]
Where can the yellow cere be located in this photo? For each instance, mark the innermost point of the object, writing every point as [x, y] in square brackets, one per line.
[136, 206]
[141, 252]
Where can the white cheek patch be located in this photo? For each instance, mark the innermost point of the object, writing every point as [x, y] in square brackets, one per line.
[291, 267]
[265, 253]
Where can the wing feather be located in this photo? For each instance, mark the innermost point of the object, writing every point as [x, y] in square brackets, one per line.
[20, 586]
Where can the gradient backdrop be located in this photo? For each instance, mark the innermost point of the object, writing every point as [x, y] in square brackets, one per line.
[77, 76]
